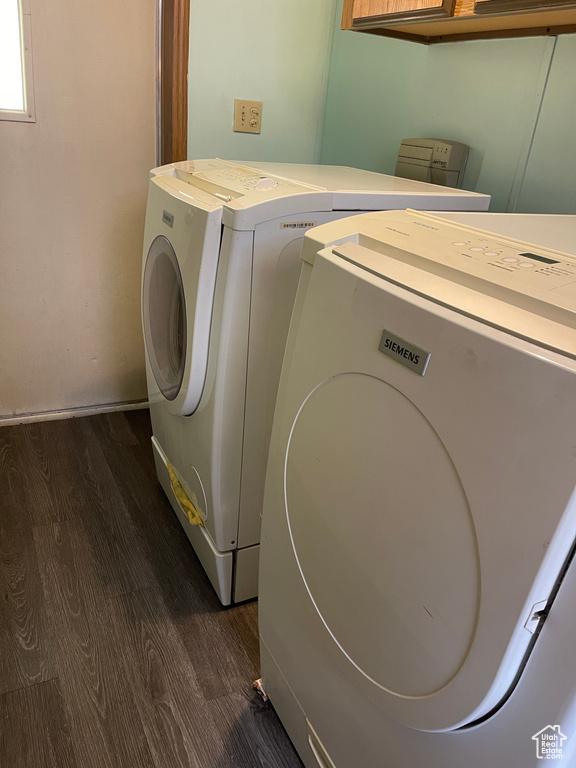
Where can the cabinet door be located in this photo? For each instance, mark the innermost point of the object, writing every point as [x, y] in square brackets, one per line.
[519, 6]
[368, 12]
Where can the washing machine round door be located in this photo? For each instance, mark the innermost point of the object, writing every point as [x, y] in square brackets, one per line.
[182, 248]
[164, 310]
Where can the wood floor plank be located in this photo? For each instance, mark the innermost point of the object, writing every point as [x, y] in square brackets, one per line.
[243, 624]
[14, 507]
[70, 582]
[37, 453]
[25, 652]
[111, 525]
[34, 455]
[25, 642]
[253, 735]
[222, 644]
[79, 660]
[9, 678]
[114, 427]
[34, 732]
[98, 697]
[139, 421]
[141, 426]
[63, 486]
[22, 665]
[159, 532]
[219, 644]
[179, 728]
[100, 512]
[100, 702]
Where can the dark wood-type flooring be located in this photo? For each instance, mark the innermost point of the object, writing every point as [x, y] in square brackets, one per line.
[114, 650]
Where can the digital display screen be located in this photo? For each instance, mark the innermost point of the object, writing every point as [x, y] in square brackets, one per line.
[543, 259]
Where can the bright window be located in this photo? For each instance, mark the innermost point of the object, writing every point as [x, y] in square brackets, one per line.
[16, 92]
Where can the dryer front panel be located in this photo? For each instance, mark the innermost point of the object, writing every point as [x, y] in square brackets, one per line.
[430, 515]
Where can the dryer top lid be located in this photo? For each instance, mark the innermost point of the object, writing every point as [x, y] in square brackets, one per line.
[231, 181]
[255, 192]
[475, 268]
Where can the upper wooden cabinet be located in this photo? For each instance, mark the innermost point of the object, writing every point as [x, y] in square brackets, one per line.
[441, 21]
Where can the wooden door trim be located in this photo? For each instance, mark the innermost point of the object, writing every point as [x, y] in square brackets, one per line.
[175, 31]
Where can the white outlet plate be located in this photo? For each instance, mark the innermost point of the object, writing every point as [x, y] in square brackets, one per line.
[247, 116]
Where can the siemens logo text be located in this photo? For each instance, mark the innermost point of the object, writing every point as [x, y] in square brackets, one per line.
[404, 352]
[412, 357]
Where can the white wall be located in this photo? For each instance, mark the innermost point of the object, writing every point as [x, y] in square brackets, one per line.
[72, 203]
[272, 51]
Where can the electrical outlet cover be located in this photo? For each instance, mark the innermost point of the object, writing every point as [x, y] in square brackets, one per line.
[247, 116]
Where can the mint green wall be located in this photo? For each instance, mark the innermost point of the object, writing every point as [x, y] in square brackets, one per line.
[488, 94]
[512, 101]
[549, 184]
[271, 51]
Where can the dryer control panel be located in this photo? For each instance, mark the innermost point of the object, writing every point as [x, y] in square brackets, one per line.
[523, 289]
[526, 275]
[230, 181]
[494, 253]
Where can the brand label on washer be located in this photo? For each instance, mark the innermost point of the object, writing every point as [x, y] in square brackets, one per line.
[168, 218]
[297, 224]
[403, 352]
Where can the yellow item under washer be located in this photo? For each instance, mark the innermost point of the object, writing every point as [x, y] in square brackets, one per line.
[182, 498]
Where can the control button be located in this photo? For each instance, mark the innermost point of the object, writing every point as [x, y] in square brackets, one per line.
[265, 184]
[510, 260]
[476, 249]
[525, 264]
[458, 242]
[490, 253]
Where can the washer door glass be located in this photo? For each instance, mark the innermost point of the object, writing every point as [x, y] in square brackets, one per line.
[164, 314]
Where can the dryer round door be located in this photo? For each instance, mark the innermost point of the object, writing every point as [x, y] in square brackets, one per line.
[164, 312]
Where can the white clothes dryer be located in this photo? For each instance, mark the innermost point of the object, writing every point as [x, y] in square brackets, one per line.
[221, 266]
[417, 591]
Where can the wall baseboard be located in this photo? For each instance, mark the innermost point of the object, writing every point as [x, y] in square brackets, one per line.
[71, 413]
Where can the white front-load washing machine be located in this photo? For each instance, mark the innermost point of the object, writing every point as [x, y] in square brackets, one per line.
[221, 265]
[417, 600]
